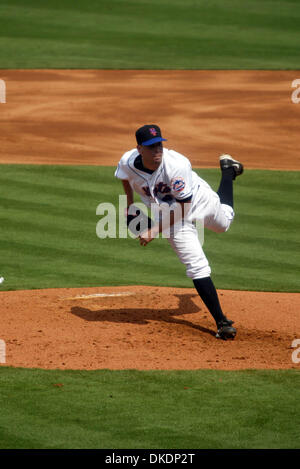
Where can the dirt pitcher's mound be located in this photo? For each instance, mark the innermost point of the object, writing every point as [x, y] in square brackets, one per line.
[146, 328]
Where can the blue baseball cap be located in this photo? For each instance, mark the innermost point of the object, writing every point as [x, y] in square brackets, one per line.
[149, 134]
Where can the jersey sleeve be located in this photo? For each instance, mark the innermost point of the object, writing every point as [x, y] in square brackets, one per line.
[122, 168]
[181, 182]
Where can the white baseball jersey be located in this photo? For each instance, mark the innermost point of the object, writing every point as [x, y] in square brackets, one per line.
[174, 180]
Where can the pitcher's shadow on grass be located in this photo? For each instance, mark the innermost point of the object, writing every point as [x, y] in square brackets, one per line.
[143, 315]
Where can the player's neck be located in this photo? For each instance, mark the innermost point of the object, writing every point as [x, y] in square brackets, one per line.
[150, 165]
[138, 164]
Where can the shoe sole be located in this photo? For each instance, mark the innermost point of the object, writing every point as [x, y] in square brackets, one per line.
[236, 164]
[225, 335]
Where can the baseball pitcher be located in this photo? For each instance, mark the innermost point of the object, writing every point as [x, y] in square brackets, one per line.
[164, 179]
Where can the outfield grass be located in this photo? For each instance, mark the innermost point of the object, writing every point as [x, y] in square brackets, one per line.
[48, 239]
[154, 409]
[161, 34]
[48, 233]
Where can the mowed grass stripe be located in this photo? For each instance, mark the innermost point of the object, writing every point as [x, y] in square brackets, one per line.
[51, 223]
[275, 221]
[265, 244]
[170, 409]
[56, 207]
[75, 184]
[72, 231]
[115, 34]
[257, 262]
[56, 173]
[52, 190]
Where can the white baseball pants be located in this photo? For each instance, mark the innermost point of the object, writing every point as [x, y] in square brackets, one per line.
[187, 241]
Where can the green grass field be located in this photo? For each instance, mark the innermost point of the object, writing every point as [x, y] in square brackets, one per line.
[161, 34]
[154, 409]
[48, 233]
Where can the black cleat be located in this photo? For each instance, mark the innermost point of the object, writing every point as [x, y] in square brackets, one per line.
[226, 161]
[225, 330]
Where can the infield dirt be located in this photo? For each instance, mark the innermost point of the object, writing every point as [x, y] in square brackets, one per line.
[151, 328]
[89, 117]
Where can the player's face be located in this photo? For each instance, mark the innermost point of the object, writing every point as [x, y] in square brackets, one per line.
[151, 155]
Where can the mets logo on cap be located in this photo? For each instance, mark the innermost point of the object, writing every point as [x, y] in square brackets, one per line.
[178, 184]
[153, 131]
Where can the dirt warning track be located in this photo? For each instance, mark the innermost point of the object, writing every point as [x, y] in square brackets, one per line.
[89, 116]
